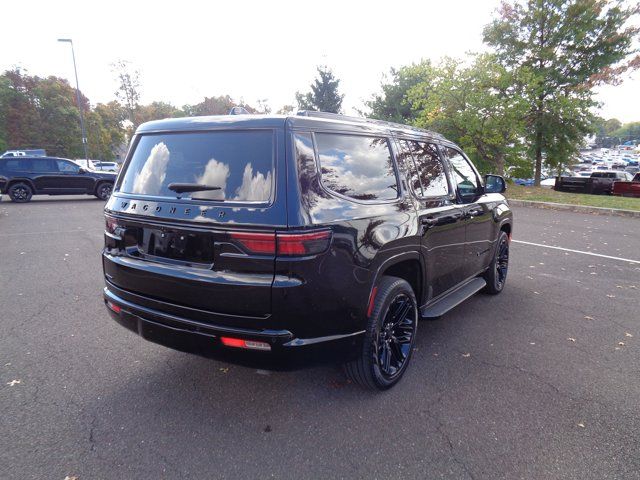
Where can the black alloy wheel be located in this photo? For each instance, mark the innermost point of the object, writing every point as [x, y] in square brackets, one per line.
[104, 191]
[395, 337]
[20, 192]
[496, 275]
[389, 337]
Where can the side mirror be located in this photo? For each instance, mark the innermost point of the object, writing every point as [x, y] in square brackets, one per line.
[494, 184]
[83, 170]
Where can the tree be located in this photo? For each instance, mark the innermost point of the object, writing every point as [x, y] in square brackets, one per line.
[105, 130]
[128, 92]
[476, 106]
[629, 132]
[210, 106]
[324, 96]
[560, 50]
[604, 129]
[393, 104]
[286, 110]
[156, 111]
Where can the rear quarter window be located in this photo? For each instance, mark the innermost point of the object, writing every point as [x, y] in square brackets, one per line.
[358, 167]
[240, 163]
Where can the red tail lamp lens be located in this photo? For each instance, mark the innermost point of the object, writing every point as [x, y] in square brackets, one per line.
[261, 243]
[288, 244]
[240, 343]
[303, 243]
[110, 225]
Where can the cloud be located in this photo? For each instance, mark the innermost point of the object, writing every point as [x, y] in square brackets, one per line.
[253, 188]
[149, 180]
[215, 174]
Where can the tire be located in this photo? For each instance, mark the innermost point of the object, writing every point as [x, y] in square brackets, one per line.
[496, 275]
[20, 192]
[389, 338]
[103, 190]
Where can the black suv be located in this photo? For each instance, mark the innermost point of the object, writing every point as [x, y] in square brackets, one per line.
[23, 177]
[276, 235]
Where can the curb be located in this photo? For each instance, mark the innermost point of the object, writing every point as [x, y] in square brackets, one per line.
[575, 208]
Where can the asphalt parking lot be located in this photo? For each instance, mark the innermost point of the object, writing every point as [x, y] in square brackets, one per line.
[542, 381]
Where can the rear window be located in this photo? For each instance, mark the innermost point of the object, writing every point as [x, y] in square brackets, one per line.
[357, 167]
[15, 165]
[240, 163]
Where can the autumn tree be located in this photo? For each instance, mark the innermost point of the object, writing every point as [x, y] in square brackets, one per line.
[559, 50]
[324, 95]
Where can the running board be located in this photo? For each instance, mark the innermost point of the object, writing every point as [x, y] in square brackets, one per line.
[453, 299]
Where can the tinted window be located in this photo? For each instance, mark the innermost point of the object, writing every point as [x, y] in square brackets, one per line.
[463, 175]
[65, 166]
[430, 169]
[43, 165]
[357, 167]
[406, 156]
[240, 163]
[15, 165]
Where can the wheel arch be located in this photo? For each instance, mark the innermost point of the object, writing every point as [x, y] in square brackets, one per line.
[13, 181]
[407, 266]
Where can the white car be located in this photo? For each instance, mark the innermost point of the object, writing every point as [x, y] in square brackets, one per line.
[106, 166]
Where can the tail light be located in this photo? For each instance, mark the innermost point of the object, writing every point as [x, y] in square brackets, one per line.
[284, 244]
[112, 229]
[240, 343]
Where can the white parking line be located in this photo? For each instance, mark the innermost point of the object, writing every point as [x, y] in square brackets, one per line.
[577, 251]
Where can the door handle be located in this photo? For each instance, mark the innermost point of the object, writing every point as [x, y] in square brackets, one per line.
[429, 221]
[475, 212]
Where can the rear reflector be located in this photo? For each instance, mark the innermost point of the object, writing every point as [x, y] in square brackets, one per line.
[285, 244]
[113, 307]
[240, 343]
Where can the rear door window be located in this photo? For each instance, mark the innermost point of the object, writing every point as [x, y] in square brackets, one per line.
[239, 163]
[43, 165]
[357, 167]
[430, 169]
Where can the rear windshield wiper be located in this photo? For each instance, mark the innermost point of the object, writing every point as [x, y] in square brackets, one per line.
[190, 187]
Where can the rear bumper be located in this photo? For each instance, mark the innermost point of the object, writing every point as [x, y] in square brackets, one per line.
[192, 336]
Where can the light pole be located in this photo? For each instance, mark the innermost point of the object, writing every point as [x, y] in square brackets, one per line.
[84, 132]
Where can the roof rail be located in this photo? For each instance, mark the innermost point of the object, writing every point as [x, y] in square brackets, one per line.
[238, 111]
[347, 118]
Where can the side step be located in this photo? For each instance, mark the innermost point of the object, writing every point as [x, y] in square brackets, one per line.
[453, 299]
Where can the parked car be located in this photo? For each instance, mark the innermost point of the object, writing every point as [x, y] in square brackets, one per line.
[598, 182]
[88, 164]
[314, 233]
[23, 177]
[105, 166]
[628, 189]
[38, 152]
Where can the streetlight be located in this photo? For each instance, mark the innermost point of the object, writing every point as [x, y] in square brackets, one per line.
[84, 133]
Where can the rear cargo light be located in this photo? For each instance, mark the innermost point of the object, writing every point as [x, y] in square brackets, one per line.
[240, 343]
[303, 243]
[288, 244]
[113, 307]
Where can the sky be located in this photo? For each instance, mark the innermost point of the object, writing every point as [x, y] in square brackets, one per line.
[250, 50]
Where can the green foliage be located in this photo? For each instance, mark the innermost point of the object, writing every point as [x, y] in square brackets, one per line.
[628, 132]
[324, 96]
[559, 50]
[475, 106]
[393, 104]
[210, 106]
